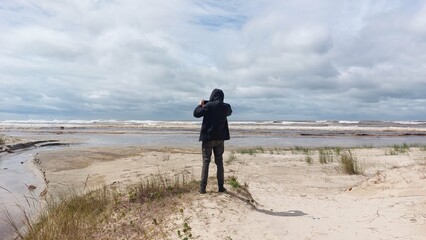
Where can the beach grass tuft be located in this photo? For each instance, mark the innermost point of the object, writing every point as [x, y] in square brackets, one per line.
[231, 158]
[69, 215]
[242, 189]
[279, 151]
[308, 159]
[325, 155]
[398, 149]
[251, 151]
[349, 164]
[300, 150]
[233, 181]
[158, 187]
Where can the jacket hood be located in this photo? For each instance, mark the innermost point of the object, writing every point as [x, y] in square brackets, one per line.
[217, 95]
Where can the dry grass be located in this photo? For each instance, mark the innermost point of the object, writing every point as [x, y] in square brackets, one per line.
[242, 189]
[109, 213]
[231, 158]
[349, 164]
[2, 140]
[398, 149]
[308, 159]
[251, 151]
[326, 155]
[159, 187]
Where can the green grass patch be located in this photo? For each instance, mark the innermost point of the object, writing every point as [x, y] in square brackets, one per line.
[233, 181]
[398, 149]
[251, 151]
[300, 150]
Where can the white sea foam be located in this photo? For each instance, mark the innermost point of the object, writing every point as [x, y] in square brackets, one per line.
[325, 125]
[348, 122]
[410, 122]
[322, 121]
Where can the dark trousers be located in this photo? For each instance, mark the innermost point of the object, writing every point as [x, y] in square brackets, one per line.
[217, 147]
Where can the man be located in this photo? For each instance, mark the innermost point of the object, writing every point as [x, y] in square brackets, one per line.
[214, 131]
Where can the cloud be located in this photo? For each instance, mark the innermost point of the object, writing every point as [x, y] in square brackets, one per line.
[155, 60]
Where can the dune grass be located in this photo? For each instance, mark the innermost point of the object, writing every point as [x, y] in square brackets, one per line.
[2, 140]
[397, 149]
[108, 213]
[231, 158]
[308, 159]
[242, 189]
[300, 150]
[233, 181]
[349, 164]
[159, 187]
[326, 155]
[251, 151]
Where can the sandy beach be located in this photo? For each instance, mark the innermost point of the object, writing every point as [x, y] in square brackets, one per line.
[297, 192]
[296, 200]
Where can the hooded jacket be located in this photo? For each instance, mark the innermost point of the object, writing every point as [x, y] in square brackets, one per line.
[215, 113]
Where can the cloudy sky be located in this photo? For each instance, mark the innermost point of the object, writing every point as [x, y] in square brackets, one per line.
[155, 59]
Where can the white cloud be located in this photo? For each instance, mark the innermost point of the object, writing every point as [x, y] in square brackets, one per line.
[156, 59]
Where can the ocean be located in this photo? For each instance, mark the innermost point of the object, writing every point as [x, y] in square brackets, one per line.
[270, 133]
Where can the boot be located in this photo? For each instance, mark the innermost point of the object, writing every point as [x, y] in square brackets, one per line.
[202, 190]
[222, 188]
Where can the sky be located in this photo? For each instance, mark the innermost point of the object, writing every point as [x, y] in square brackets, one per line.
[155, 59]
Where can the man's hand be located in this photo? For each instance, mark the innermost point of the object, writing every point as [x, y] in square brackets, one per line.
[202, 102]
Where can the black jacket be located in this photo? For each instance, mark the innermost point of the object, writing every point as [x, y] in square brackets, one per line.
[215, 112]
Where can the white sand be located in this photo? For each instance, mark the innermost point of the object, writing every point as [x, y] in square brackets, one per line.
[296, 200]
